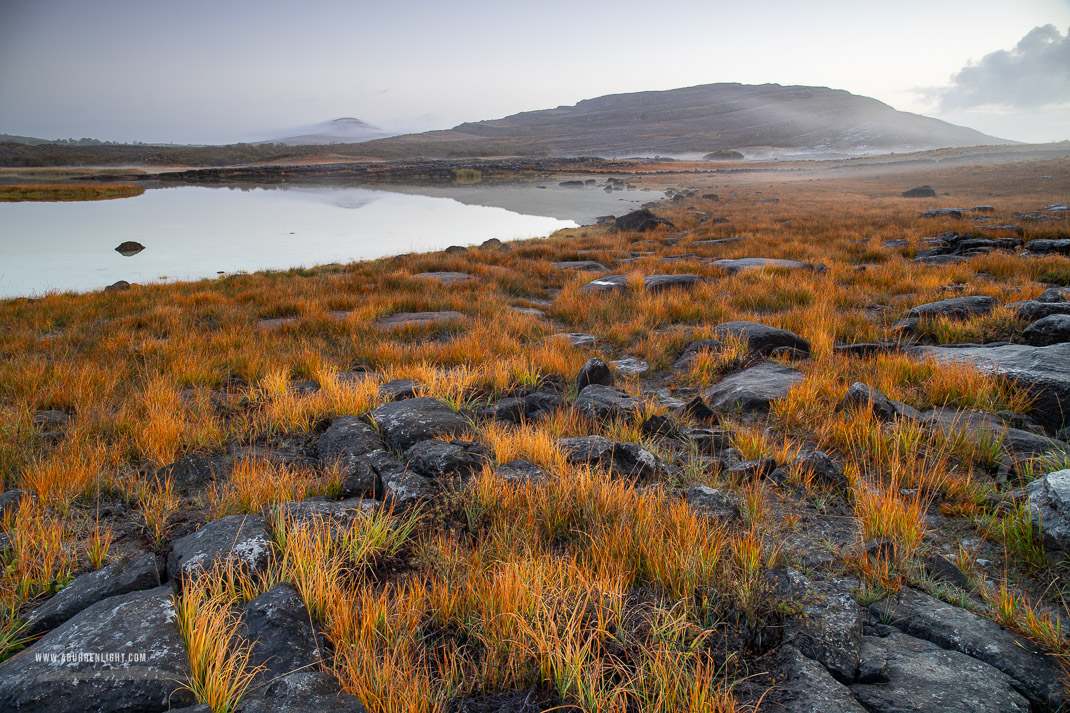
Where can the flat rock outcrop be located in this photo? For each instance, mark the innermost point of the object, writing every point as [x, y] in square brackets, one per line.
[403, 424]
[239, 540]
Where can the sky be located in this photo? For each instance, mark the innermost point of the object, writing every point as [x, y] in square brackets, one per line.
[227, 71]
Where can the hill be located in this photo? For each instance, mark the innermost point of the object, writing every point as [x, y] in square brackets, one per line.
[702, 119]
[346, 130]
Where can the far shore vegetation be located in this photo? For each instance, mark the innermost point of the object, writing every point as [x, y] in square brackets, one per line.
[52, 192]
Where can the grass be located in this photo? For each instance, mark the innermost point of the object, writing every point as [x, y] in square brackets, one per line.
[67, 192]
[602, 593]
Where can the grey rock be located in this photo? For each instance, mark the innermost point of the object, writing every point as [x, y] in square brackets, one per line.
[696, 409]
[279, 626]
[940, 569]
[407, 319]
[752, 390]
[923, 678]
[403, 424]
[828, 624]
[632, 366]
[956, 307]
[920, 192]
[713, 503]
[240, 540]
[339, 515]
[709, 440]
[626, 459]
[1033, 310]
[51, 418]
[578, 339]
[521, 471]
[442, 460]
[823, 468]
[580, 265]
[660, 283]
[979, 426]
[193, 471]
[43, 679]
[598, 402]
[399, 389]
[743, 471]
[595, 371]
[1033, 674]
[757, 263]
[518, 409]
[1048, 246]
[1054, 295]
[1053, 329]
[884, 409]
[697, 347]
[446, 278]
[129, 574]
[640, 221]
[11, 502]
[806, 687]
[1049, 501]
[347, 438]
[761, 338]
[1044, 371]
[609, 283]
[304, 692]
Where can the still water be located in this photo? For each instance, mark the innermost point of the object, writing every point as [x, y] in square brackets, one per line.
[192, 232]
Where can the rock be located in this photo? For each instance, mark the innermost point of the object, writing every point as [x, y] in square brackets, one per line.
[826, 624]
[399, 389]
[595, 371]
[1054, 329]
[1033, 310]
[711, 196]
[577, 339]
[64, 671]
[446, 278]
[11, 501]
[758, 263]
[715, 242]
[752, 390]
[492, 244]
[521, 471]
[626, 459]
[403, 424]
[884, 409]
[660, 427]
[941, 570]
[194, 471]
[824, 469]
[640, 221]
[920, 192]
[1054, 295]
[1045, 246]
[398, 487]
[1044, 371]
[580, 265]
[304, 692]
[920, 677]
[609, 283]
[761, 338]
[987, 428]
[806, 687]
[240, 540]
[339, 515]
[280, 628]
[420, 319]
[518, 409]
[345, 439]
[942, 213]
[599, 402]
[129, 247]
[51, 418]
[1049, 500]
[956, 308]
[129, 574]
[661, 283]
[118, 286]
[455, 250]
[697, 409]
[1034, 674]
[709, 440]
[694, 349]
[714, 503]
[747, 470]
[441, 460]
[632, 366]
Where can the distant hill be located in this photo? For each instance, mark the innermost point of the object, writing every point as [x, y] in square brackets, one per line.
[702, 119]
[346, 130]
[34, 141]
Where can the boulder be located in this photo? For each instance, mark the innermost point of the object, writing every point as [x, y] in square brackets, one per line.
[761, 338]
[825, 624]
[920, 192]
[956, 307]
[1048, 246]
[339, 515]
[129, 247]
[304, 692]
[444, 460]
[1035, 675]
[1054, 295]
[1033, 310]
[118, 286]
[694, 349]
[630, 365]
[598, 402]
[626, 459]
[981, 427]
[398, 389]
[517, 409]
[11, 501]
[609, 283]
[410, 319]
[283, 641]
[403, 424]
[239, 540]
[713, 503]
[1049, 501]
[194, 471]
[397, 486]
[580, 265]
[129, 574]
[806, 687]
[884, 409]
[708, 440]
[577, 339]
[521, 471]
[757, 263]
[910, 675]
[752, 390]
[121, 654]
[446, 278]
[1054, 329]
[595, 371]
[346, 438]
[822, 468]
[640, 221]
[1044, 371]
[661, 283]
[942, 213]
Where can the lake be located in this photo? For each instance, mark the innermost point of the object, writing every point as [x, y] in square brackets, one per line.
[192, 232]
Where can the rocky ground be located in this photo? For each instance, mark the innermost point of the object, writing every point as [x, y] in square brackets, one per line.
[794, 462]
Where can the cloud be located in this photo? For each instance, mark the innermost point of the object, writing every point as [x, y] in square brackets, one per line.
[1035, 73]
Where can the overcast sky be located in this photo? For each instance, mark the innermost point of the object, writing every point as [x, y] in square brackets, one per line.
[217, 72]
